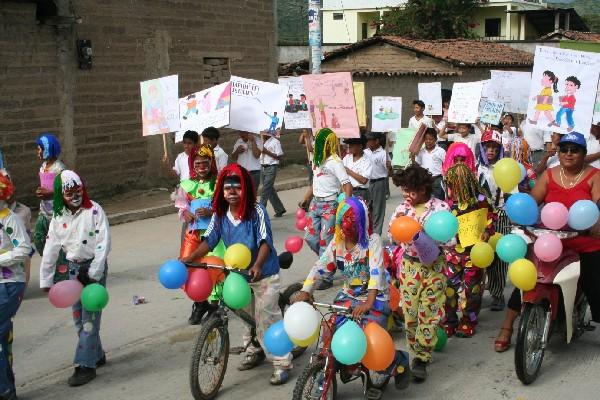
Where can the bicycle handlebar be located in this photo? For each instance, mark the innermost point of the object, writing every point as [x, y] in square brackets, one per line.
[333, 307]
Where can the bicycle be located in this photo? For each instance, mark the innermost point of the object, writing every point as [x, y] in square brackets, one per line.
[211, 351]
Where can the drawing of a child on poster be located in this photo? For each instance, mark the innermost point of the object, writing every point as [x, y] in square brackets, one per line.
[567, 103]
[544, 99]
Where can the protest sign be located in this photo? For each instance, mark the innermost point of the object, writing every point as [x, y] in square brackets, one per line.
[296, 114]
[400, 152]
[464, 105]
[200, 222]
[511, 88]
[209, 107]
[256, 106]
[360, 101]
[386, 114]
[160, 105]
[563, 89]
[331, 101]
[430, 93]
[491, 112]
[596, 116]
[471, 226]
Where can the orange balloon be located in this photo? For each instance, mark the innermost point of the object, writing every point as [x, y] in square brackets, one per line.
[216, 275]
[404, 229]
[394, 298]
[380, 348]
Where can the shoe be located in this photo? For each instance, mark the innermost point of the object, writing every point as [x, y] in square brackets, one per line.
[450, 330]
[373, 394]
[280, 214]
[252, 360]
[502, 345]
[324, 285]
[402, 377]
[279, 377]
[101, 361]
[498, 304]
[418, 369]
[81, 376]
[198, 311]
[466, 329]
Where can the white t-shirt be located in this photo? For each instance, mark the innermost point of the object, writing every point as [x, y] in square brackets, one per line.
[329, 177]
[221, 158]
[414, 123]
[507, 139]
[533, 136]
[593, 147]
[471, 140]
[379, 160]
[247, 159]
[431, 160]
[181, 166]
[363, 167]
[274, 146]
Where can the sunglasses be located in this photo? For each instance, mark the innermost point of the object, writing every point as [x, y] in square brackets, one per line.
[570, 149]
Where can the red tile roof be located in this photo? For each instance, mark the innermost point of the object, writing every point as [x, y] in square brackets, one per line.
[573, 35]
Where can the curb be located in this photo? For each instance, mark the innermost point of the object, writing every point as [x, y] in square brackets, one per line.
[166, 209]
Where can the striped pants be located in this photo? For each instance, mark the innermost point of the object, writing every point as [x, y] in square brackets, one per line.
[498, 270]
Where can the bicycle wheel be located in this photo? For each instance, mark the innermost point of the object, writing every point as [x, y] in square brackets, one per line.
[209, 359]
[309, 385]
[529, 350]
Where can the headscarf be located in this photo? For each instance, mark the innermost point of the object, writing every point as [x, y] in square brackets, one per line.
[355, 211]
[519, 150]
[248, 199]
[458, 149]
[202, 151]
[49, 144]
[64, 181]
[489, 136]
[325, 146]
[463, 186]
[7, 189]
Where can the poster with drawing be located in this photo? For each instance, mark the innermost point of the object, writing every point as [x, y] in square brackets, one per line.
[331, 103]
[464, 105]
[256, 106]
[430, 93]
[360, 101]
[596, 116]
[296, 115]
[563, 89]
[491, 112]
[386, 114]
[485, 94]
[160, 105]
[400, 152]
[209, 107]
[511, 88]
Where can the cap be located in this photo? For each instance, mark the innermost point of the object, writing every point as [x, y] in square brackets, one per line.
[491, 136]
[575, 138]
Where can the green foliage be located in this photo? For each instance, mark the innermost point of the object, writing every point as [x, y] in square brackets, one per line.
[431, 19]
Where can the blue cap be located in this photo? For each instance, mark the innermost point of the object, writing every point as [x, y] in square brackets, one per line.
[575, 138]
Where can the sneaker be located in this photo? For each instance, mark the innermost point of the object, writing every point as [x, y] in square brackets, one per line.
[81, 376]
[418, 370]
[279, 377]
[198, 311]
[373, 394]
[280, 214]
[252, 360]
[101, 361]
[402, 377]
[498, 304]
[324, 285]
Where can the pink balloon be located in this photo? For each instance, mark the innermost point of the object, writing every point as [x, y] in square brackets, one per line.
[555, 215]
[199, 285]
[293, 244]
[65, 293]
[548, 247]
[301, 224]
[300, 213]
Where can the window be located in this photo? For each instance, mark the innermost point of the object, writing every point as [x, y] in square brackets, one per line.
[338, 16]
[365, 30]
[492, 27]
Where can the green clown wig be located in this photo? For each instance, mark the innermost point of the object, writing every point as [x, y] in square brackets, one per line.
[325, 146]
[68, 179]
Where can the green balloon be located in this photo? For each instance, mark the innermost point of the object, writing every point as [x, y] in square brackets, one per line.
[94, 297]
[219, 250]
[236, 291]
[442, 339]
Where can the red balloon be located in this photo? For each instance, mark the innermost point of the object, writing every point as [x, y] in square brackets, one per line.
[300, 213]
[199, 284]
[293, 244]
[301, 224]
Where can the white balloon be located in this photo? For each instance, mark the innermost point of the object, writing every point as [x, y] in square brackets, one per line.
[300, 321]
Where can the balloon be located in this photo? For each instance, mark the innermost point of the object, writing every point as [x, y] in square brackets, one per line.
[548, 247]
[237, 256]
[173, 274]
[349, 343]
[511, 247]
[307, 342]
[523, 274]
[199, 284]
[301, 223]
[442, 339]
[507, 174]
[301, 321]
[441, 226]
[522, 208]
[65, 293]
[236, 291]
[94, 297]
[427, 249]
[482, 254]
[294, 244]
[523, 171]
[554, 215]
[277, 341]
[493, 241]
[300, 213]
[404, 229]
[380, 348]
[583, 215]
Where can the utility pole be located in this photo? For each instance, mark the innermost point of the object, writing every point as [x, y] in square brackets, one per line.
[315, 36]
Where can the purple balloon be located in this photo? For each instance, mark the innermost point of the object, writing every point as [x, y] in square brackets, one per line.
[427, 248]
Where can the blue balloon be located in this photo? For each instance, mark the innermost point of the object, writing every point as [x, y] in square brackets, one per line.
[583, 215]
[523, 171]
[522, 209]
[277, 341]
[173, 274]
[511, 247]
[441, 226]
[349, 343]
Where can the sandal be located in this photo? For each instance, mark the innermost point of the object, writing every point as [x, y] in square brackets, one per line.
[502, 345]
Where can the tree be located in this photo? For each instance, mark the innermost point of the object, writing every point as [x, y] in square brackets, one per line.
[431, 19]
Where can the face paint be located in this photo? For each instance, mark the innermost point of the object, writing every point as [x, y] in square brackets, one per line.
[76, 200]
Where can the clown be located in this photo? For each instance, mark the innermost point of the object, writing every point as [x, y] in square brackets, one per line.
[522, 154]
[80, 227]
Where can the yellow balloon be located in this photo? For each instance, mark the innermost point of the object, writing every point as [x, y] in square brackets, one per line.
[493, 241]
[482, 255]
[237, 256]
[507, 174]
[307, 342]
[523, 274]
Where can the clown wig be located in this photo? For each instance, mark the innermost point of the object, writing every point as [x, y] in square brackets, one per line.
[458, 149]
[519, 150]
[50, 146]
[325, 146]
[7, 188]
[66, 180]
[235, 173]
[463, 185]
[204, 151]
[353, 211]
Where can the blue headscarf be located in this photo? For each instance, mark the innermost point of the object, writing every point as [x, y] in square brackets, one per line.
[49, 144]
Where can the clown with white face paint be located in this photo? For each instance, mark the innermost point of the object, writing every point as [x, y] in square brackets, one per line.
[79, 227]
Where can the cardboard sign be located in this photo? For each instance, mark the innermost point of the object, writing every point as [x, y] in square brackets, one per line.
[160, 105]
[47, 180]
[491, 112]
[430, 93]
[200, 223]
[464, 105]
[386, 114]
[471, 226]
[360, 101]
[511, 88]
[296, 115]
[400, 153]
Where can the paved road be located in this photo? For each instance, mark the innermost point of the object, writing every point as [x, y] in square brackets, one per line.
[149, 345]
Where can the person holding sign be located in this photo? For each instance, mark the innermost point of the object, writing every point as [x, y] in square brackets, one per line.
[463, 135]
[431, 157]
[272, 153]
[358, 166]
[210, 136]
[378, 183]
[419, 118]
[246, 152]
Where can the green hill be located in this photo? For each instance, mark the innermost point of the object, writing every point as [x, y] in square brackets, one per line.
[588, 9]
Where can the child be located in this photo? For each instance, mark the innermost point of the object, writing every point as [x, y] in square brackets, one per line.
[463, 135]
[358, 166]
[422, 286]
[550, 157]
[246, 152]
[210, 136]
[272, 153]
[544, 99]
[419, 118]
[521, 153]
[509, 132]
[567, 103]
[464, 195]
[181, 168]
[80, 227]
[238, 218]
[378, 181]
[431, 157]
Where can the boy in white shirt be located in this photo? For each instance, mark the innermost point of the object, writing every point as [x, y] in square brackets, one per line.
[181, 168]
[358, 166]
[508, 133]
[210, 136]
[419, 118]
[246, 152]
[378, 182]
[270, 158]
[431, 157]
[463, 135]
[593, 146]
